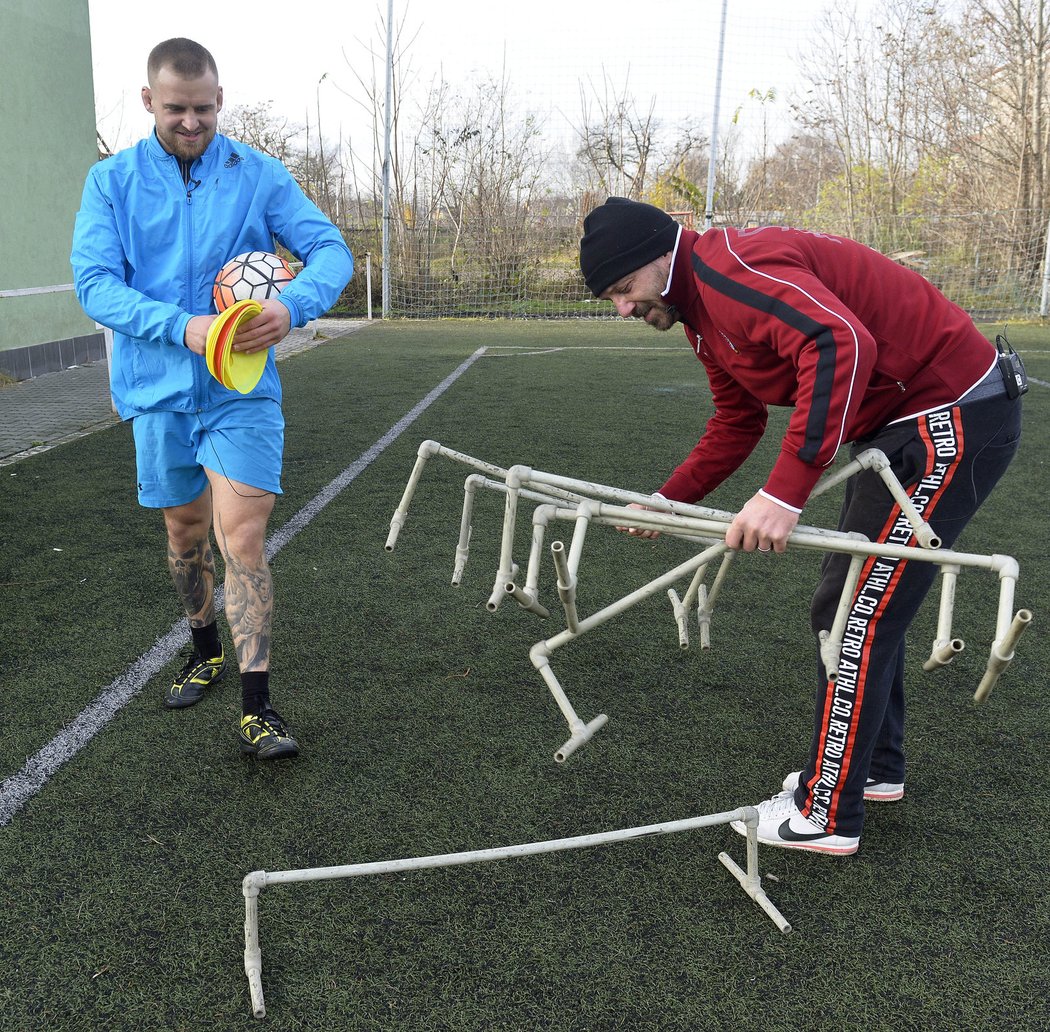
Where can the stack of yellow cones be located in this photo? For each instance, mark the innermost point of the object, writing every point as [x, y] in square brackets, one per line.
[235, 370]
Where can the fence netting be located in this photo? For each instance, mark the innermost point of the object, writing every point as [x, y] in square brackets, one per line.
[990, 263]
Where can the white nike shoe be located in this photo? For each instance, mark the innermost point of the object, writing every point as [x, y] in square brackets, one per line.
[874, 791]
[781, 824]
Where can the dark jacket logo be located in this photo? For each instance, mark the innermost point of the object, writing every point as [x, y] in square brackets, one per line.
[233, 160]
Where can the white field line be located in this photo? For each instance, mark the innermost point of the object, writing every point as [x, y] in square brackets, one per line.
[524, 350]
[19, 788]
[528, 349]
[1033, 379]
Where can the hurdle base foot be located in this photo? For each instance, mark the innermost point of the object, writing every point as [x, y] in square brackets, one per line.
[753, 887]
[581, 735]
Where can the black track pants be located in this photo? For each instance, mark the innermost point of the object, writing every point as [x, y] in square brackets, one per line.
[948, 462]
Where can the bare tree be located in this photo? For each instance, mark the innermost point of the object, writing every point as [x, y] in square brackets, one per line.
[892, 100]
[257, 126]
[788, 182]
[464, 173]
[616, 139]
[837, 103]
[318, 173]
[485, 168]
[1016, 134]
[370, 75]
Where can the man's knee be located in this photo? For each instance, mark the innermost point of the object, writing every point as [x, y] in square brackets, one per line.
[240, 527]
[188, 525]
[243, 541]
[245, 552]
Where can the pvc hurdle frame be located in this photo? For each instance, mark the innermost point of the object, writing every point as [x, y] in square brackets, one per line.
[749, 880]
[584, 504]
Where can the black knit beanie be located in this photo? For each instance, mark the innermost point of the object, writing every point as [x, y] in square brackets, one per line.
[620, 236]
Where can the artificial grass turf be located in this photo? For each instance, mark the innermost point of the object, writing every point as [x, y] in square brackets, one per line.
[426, 730]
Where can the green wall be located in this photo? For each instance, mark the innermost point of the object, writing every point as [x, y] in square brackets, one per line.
[47, 120]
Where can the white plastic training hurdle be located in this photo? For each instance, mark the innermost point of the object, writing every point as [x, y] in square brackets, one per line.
[585, 504]
[750, 880]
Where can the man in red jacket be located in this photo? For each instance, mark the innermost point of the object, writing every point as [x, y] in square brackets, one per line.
[866, 352]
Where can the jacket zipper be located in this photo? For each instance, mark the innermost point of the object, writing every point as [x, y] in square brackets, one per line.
[198, 390]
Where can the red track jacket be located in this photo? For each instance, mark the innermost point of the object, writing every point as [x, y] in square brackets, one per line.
[848, 338]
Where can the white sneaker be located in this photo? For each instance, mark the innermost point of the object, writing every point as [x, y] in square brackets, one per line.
[874, 791]
[781, 824]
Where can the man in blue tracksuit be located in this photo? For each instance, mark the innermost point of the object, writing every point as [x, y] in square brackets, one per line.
[156, 224]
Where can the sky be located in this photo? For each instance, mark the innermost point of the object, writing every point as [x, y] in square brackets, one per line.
[302, 56]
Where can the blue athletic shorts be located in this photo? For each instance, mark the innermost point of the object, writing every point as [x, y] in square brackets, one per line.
[242, 440]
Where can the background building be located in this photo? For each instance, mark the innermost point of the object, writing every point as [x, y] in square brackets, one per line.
[47, 120]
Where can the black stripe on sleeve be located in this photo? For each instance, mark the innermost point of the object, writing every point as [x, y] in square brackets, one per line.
[809, 328]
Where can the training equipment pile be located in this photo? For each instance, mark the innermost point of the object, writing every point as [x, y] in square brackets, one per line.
[584, 504]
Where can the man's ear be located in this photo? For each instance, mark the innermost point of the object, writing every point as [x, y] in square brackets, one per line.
[147, 99]
[218, 101]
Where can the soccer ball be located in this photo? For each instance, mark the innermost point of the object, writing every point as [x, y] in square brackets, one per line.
[255, 275]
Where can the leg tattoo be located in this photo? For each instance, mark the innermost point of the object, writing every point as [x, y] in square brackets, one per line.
[249, 610]
[193, 572]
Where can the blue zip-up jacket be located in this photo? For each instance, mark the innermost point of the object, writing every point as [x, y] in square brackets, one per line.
[147, 247]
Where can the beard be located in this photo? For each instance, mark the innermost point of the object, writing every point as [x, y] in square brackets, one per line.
[660, 317]
[187, 149]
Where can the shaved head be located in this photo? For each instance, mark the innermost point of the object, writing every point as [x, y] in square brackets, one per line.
[188, 60]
